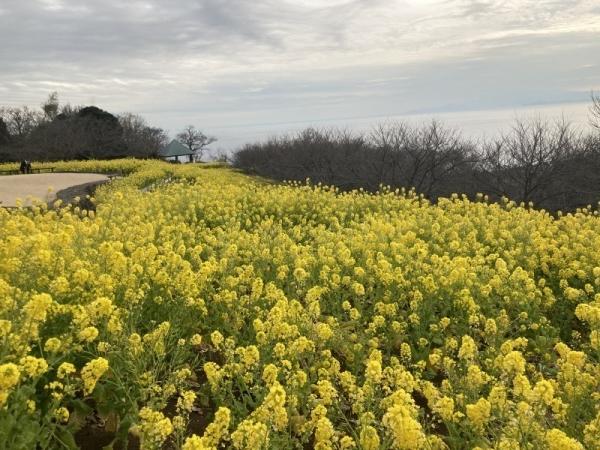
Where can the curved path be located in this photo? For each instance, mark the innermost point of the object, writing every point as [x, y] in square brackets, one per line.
[36, 186]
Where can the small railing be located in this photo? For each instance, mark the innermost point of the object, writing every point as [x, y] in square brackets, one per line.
[32, 170]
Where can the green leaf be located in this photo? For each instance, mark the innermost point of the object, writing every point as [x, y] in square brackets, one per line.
[437, 340]
[123, 430]
[66, 438]
[82, 407]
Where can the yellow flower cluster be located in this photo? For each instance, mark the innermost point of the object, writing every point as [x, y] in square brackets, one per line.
[214, 434]
[400, 420]
[250, 435]
[91, 373]
[154, 429]
[9, 378]
[297, 316]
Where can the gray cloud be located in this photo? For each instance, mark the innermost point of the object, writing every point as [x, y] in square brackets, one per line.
[234, 63]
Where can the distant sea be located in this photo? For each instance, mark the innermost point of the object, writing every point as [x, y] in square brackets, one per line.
[474, 124]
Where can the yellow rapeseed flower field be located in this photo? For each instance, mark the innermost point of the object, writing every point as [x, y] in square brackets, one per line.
[198, 308]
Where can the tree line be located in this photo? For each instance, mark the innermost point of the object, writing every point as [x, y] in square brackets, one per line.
[551, 165]
[56, 132]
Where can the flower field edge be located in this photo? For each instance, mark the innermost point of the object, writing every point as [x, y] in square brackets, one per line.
[207, 309]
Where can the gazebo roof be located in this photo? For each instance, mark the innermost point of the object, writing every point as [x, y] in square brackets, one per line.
[175, 148]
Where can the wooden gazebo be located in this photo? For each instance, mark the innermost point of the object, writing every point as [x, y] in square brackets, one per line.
[177, 152]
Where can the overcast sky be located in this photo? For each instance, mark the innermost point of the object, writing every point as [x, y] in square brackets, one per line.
[241, 69]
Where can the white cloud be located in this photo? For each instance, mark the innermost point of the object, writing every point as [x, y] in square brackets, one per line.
[224, 62]
[52, 5]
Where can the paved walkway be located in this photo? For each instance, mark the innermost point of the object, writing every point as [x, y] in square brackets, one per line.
[36, 186]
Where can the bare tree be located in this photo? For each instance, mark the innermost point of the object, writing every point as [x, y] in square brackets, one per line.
[222, 156]
[528, 164]
[550, 164]
[141, 139]
[20, 121]
[4, 134]
[595, 111]
[195, 140]
[50, 106]
[426, 158]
